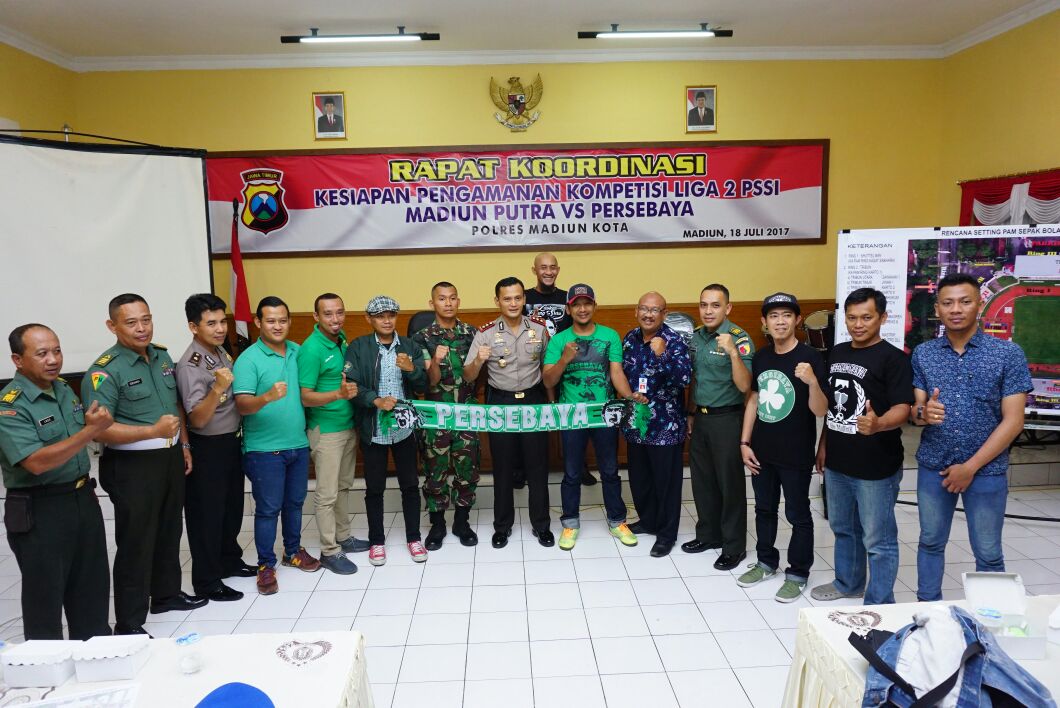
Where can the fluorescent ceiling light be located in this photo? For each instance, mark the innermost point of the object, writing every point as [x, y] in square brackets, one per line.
[314, 38]
[704, 31]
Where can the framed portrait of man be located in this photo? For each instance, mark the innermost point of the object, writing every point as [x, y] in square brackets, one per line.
[701, 109]
[329, 115]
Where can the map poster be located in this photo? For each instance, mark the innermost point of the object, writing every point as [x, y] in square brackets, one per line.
[1018, 269]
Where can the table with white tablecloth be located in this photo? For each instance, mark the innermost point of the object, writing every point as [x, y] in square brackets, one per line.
[827, 671]
[294, 670]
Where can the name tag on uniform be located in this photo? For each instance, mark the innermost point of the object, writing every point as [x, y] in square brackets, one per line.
[135, 382]
[45, 421]
[642, 384]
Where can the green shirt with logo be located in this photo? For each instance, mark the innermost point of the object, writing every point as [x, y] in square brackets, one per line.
[320, 363]
[138, 390]
[279, 425]
[587, 378]
[30, 419]
[712, 367]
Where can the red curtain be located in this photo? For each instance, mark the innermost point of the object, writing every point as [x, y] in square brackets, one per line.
[995, 190]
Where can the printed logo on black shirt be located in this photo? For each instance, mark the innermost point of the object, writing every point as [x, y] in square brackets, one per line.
[848, 398]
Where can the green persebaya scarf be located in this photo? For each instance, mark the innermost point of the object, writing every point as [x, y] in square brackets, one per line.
[478, 418]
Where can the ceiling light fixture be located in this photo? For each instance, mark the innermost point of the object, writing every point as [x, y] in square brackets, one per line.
[314, 38]
[705, 30]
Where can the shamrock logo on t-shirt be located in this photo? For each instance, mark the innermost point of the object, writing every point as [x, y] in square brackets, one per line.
[776, 396]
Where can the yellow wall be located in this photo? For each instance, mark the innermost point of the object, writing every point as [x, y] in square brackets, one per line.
[901, 132]
[35, 93]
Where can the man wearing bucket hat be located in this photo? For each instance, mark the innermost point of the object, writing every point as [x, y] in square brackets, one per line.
[386, 369]
[777, 444]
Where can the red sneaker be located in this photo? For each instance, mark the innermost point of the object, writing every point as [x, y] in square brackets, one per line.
[302, 560]
[419, 553]
[267, 584]
[377, 555]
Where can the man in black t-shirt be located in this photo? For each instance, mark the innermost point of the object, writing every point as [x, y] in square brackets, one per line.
[549, 303]
[779, 428]
[870, 389]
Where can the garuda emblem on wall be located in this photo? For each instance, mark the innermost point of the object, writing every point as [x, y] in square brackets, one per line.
[516, 103]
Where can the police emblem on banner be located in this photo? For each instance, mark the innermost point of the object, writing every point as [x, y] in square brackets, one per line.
[516, 103]
[263, 207]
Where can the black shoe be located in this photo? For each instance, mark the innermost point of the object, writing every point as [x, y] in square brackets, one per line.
[697, 546]
[545, 538]
[221, 593]
[587, 478]
[462, 529]
[354, 545]
[638, 527]
[728, 561]
[434, 537]
[243, 570]
[119, 629]
[500, 538]
[661, 548]
[518, 483]
[181, 602]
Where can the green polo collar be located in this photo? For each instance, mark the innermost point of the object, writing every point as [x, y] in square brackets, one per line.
[325, 340]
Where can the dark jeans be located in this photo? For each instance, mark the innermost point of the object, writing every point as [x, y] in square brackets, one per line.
[147, 490]
[213, 509]
[718, 485]
[796, 485]
[63, 560]
[655, 483]
[279, 481]
[374, 456]
[605, 445]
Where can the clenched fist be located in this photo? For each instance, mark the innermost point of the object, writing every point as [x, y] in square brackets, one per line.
[222, 379]
[167, 426]
[278, 391]
[658, 345]
[441, 353]
[804, 373]
[403, 362]
[98, 417]
[725, 343]
[570, 351]
[483, 353]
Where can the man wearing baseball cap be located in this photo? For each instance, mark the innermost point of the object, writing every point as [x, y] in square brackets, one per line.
[386, 369]
[585, 362]
[777, 444]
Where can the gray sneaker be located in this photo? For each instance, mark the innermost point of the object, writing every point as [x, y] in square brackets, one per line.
[354, 545]
[790, 591]
[756, 574]
[828, 592]
[338, 564]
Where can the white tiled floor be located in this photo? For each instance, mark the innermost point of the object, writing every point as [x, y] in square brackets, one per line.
[604, 625]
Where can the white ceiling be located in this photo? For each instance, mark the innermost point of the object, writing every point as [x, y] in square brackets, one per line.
[100, 34]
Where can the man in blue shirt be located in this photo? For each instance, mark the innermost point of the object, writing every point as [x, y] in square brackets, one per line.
[970, 390]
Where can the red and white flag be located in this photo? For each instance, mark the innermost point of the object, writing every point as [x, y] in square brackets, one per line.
[240, 299]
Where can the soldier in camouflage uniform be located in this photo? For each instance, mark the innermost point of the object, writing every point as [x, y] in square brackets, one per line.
[448, 453]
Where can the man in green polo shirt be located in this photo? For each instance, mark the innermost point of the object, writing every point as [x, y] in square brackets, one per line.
[275, 447]
[143, 465]
[53, 520]
[326, 396]
[721, 366]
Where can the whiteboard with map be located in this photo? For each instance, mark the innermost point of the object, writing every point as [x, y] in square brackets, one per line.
[1018, 269]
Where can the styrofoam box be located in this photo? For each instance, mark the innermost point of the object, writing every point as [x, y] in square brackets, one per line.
[1005, 592]
[38, 663]
[111, 658]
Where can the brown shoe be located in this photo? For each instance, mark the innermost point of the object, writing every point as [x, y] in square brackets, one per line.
[302, 560]
[267, 584]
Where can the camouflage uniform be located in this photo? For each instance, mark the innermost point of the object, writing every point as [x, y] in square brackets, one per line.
[448, 452]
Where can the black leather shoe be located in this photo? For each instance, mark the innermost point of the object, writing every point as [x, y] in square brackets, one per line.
[587, 478]
[120, 630]
[500, 538]
[545, 538]
[244, 570]
[727, 561]
[638, 528]
[696, 546]
[221, 593]
[182, 602]
[434, 537]
[661, 548]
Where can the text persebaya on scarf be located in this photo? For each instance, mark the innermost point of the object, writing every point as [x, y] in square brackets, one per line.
[486, 418]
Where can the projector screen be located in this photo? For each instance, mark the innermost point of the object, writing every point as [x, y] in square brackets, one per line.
[80, 224]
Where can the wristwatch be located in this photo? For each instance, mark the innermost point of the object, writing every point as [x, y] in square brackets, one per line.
[746, 443]
[186, 446]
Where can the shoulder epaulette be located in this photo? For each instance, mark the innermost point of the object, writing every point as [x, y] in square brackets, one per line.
[537, 320]
[160, 346]
[195, 358]
[736, 330]
[104, 360]
[60, 378]
[486, 326]
[11, 396]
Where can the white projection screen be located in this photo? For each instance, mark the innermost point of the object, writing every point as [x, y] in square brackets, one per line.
[81, 223]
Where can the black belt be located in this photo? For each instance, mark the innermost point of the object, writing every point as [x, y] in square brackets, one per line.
[537, 390]
[718, 410]
[52, 490]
